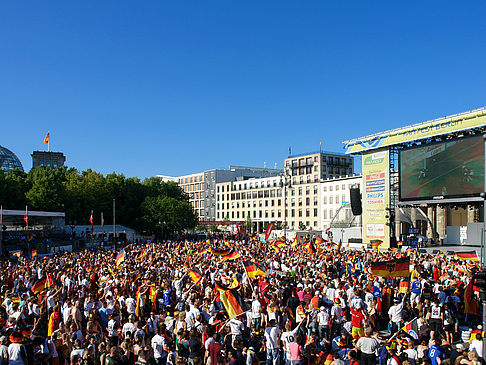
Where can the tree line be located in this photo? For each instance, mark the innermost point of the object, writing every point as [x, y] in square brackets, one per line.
[149, 206]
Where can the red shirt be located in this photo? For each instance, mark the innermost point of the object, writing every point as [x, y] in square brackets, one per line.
[357, 318]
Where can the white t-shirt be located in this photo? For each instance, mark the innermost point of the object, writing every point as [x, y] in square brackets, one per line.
[396, 312]
[237, 327]
[131, 305]
[112, 328]
[271, 335]
[287, 338]
[128, 327]
[256, 307]
[435, 312]
[158, 346]
[412, 356]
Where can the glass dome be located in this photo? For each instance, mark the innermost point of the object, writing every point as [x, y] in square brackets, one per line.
[8, 160]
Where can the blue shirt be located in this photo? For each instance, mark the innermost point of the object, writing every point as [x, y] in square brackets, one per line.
[167, 297]
[103, 315]
[435, 352]
[416, 287]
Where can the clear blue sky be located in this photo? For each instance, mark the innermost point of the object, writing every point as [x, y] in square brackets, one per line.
[175, 87]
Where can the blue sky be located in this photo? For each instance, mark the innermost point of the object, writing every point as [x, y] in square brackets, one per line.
[159, 87]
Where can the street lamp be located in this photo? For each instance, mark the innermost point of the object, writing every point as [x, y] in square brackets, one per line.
[284, 182]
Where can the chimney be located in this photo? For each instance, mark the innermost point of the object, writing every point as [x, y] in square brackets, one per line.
[275, 165]
[265, 165]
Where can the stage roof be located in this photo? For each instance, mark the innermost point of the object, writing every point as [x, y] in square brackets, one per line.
[450, 124]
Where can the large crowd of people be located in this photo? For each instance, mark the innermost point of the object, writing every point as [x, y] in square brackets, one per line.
[238, 303]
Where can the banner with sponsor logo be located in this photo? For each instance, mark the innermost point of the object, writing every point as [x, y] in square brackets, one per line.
[376, 197]
[436, 127]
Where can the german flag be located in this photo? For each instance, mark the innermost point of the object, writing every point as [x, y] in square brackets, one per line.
[319, 239]
[206, 250]
[279, 244]
[294, 242]
[253, 270]
[393, 268]
[153, 296]
[375, 244]
[218, 285]
[14, 298]
[412, 329]
[217, 252]
[137, 306]
[120, 258]
[17, 253]
[310, 248]
[195, 275]
[467, 255]
[339, 245]
[404, 287]
[233, 255]
[143, 254]
[233, 303]
[300, 311]
[40, 285]
[34, 254]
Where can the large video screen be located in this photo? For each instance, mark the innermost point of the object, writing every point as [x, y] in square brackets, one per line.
[443, 170]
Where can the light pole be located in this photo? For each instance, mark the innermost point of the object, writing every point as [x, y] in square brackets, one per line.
[284, 182]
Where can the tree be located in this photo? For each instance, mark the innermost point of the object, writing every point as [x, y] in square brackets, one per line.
[46, 189]
[13, 186]
[248, 224]
[176, 215]
[302, 226]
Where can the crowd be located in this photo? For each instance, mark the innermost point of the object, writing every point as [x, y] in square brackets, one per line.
[237, 303]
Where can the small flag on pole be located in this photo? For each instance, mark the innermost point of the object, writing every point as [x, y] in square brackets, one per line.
[91, 221]
[120, 258]
[26, 217]
[46, 139]
[269, 230]
[467, 255]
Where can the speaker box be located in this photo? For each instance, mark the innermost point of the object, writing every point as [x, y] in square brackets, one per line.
[355, 196]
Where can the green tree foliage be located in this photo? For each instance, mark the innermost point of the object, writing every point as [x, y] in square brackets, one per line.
[139, 205]
[13, 187]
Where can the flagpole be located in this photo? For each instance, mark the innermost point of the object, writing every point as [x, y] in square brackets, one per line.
[114, 225]
[27, 226]
[1, 229]
[102, 227]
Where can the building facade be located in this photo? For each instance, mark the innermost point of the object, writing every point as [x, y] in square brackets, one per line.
[290, 200]
[50, 160]
[335, 196]
[201, 187]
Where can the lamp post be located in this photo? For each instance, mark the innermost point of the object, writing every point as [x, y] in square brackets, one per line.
[284, 182]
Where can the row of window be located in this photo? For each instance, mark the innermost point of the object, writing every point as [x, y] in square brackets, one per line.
[332, 200]
[268, 193]
[340, 161]
[48, 163]
[291, 213]
[191, 179]
[336, 187]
